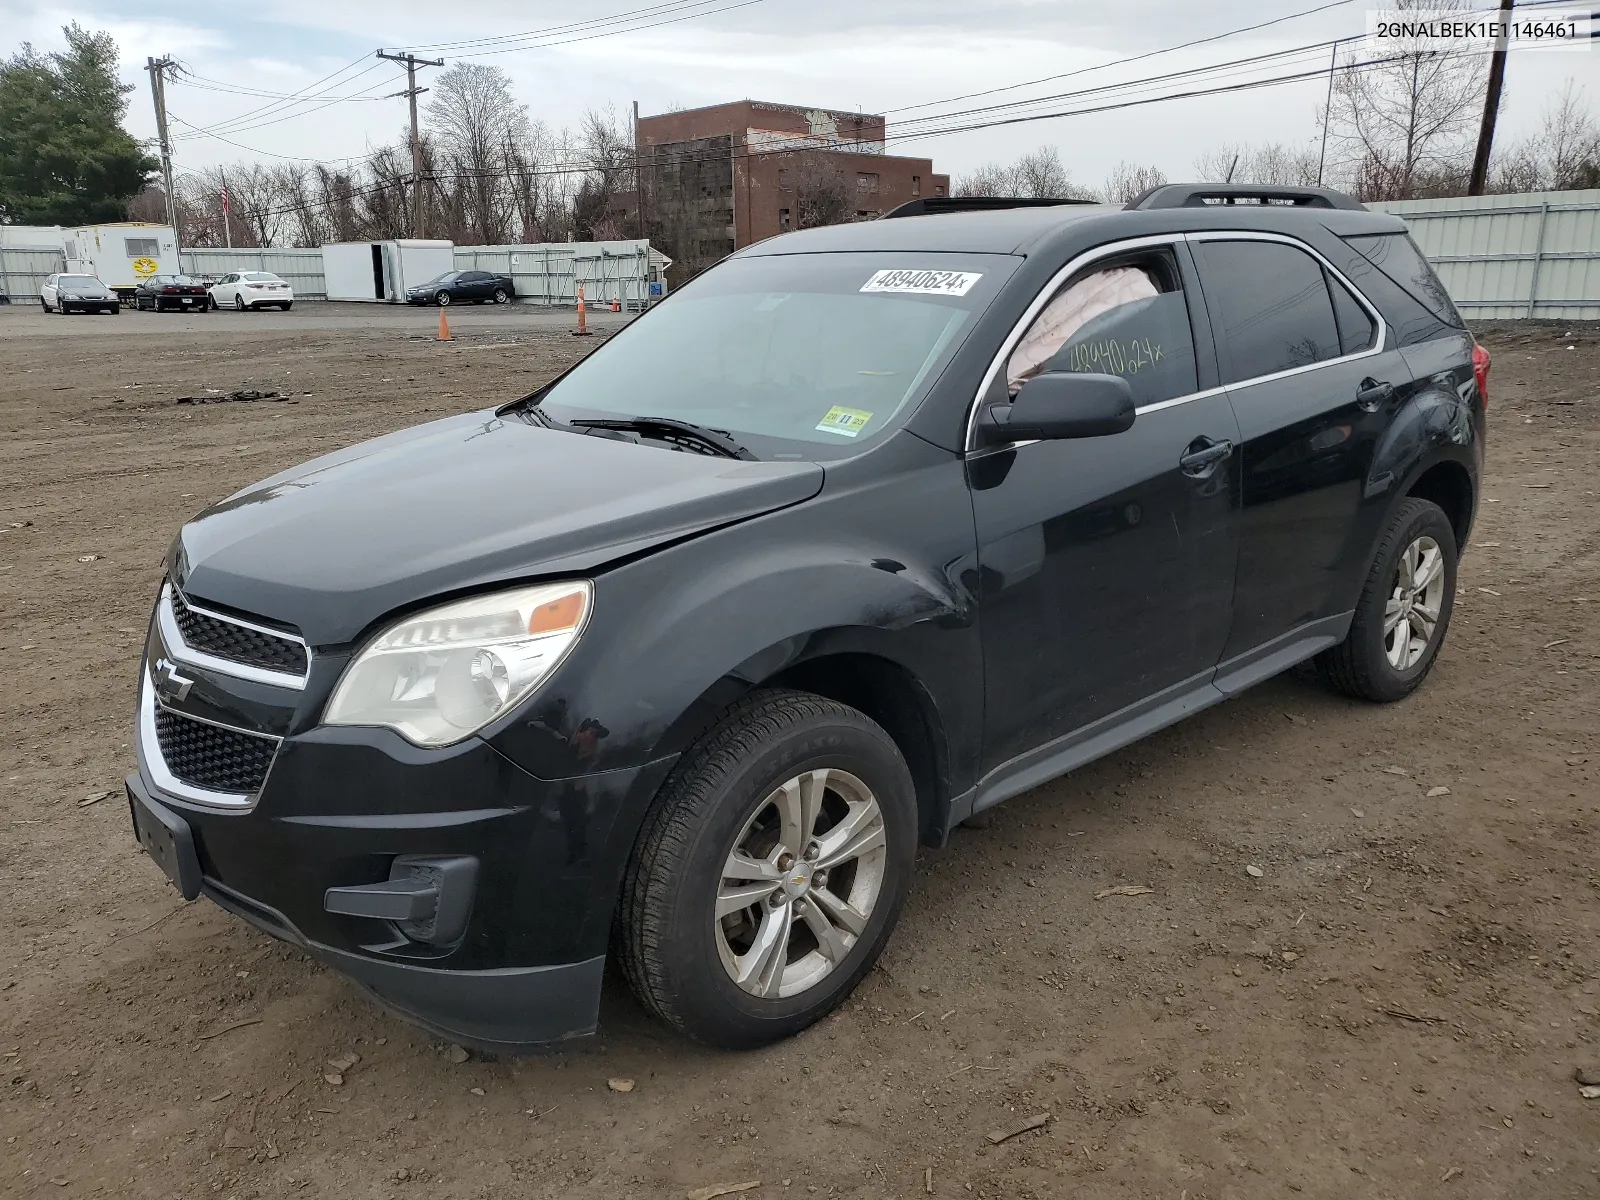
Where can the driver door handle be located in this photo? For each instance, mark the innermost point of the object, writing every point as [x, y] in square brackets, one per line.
[1203, 455]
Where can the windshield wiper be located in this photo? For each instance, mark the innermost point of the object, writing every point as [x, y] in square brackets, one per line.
[715, 439]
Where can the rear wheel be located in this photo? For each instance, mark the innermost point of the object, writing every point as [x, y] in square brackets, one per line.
[501, 295]
[43, 305]
[288, 305]
[770, 871]
[1404, 610]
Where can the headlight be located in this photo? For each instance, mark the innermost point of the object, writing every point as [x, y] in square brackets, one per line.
[71, 296]
[445, 673]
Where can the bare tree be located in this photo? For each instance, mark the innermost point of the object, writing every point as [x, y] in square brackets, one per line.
[1128, 180]
[821, 195]
[1270, 163]
[607, 154]
[1037, 175]
[472, 117]
[1402, 125]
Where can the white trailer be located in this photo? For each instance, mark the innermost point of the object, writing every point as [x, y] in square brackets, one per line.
[382, 271]
[122, 253]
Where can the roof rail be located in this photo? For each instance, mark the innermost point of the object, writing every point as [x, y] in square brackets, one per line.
[929, 205]
[1200, 195]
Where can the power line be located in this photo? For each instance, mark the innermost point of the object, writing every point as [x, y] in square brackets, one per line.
[554, 30]
[588, 37]
[1216, 37]
[277, 110]
[234, 127]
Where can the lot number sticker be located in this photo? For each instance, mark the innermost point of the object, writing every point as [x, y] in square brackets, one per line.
[923, 283]
[846, 422]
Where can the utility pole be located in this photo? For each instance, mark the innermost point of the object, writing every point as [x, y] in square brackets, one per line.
[158, 92]
[1491, 108]
[412, 91]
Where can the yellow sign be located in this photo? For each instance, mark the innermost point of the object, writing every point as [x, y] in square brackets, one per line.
[847, 422]
[144, 267]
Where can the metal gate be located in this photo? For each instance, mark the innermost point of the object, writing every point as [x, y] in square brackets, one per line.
[23, 272]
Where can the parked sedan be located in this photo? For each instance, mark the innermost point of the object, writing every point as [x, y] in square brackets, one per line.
[244, 290]
[476, 286]
[83, 293]
[161, 292]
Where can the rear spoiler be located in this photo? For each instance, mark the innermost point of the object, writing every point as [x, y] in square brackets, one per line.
[929, 205]
[1204, 195]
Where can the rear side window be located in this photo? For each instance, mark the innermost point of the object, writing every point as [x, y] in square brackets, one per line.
[1397, 256]
[1357, 330]
[1126, 318]
[1270, 306]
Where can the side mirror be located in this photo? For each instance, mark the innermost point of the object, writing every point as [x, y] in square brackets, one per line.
[1061, 404]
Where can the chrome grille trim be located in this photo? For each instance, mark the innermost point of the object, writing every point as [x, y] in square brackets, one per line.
[181, 651]
[155, 765]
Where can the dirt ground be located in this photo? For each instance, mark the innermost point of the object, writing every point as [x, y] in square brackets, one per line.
[1393, 1007]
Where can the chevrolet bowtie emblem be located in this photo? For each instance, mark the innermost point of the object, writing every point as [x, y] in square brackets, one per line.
[169, 685]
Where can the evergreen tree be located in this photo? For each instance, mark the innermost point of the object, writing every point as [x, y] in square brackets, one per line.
[65, 158]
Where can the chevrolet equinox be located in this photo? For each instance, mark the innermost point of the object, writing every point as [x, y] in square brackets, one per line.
[678, 659]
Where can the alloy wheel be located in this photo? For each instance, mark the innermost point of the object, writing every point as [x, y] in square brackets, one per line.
[800, 883]
[1411, 617]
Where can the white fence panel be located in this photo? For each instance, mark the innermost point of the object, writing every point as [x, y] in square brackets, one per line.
[301, 267]
[550, 273]
[1532, 254]
[23, 272]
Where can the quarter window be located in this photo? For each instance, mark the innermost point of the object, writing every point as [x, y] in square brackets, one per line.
[1127, 317]
[1356, 327]
[1271, 307]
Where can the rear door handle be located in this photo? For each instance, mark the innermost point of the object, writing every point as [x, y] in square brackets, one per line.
[1372, 394]
[1203, 455]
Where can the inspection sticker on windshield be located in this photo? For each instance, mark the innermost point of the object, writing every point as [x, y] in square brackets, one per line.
[923, 283]
[847, 422]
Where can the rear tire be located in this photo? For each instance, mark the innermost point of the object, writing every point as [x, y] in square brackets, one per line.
[500, 296]
[1410, 592]
[844, 784]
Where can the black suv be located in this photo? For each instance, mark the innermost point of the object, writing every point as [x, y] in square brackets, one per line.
[679, 658]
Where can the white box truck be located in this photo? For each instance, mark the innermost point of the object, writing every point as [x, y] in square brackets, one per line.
[122, 253]
[382, 271]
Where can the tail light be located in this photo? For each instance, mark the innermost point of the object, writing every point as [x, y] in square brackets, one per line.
[1480, 372]
[169, 291]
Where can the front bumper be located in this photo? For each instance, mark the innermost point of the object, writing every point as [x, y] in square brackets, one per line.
[337, 810]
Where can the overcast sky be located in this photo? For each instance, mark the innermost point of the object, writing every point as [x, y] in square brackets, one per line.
[871, 55]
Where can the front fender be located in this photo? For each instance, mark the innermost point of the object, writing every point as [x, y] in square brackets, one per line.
[883, 567]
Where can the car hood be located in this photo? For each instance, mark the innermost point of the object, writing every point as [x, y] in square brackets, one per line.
[466, 502]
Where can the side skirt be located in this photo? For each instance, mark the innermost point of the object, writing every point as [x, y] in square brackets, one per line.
[1138, 720]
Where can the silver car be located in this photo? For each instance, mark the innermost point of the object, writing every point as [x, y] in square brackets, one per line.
[64, 293]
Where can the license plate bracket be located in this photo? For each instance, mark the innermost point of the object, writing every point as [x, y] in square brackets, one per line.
[167, 838]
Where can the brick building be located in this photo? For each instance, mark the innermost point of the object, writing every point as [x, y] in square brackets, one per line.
[719, 178]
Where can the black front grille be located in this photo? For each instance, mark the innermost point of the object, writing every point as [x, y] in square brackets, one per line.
[204, 756]
[237, 643]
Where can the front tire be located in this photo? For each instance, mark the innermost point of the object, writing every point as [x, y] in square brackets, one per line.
[728, 932]
[1404, 611]
[442, 299]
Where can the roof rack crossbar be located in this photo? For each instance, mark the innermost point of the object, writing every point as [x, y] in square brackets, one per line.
[1202, 195]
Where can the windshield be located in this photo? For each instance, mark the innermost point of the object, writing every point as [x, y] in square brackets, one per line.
[79, 281]
[258, 276]
[447, 277]
[797, 356]
[168, 279]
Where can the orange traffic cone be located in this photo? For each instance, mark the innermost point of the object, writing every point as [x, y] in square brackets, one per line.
[583, 317]
[444, 327]
[616, 305]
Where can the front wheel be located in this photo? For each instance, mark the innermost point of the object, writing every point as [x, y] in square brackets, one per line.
[442, 299]
[1404, 610]
[770, 871]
